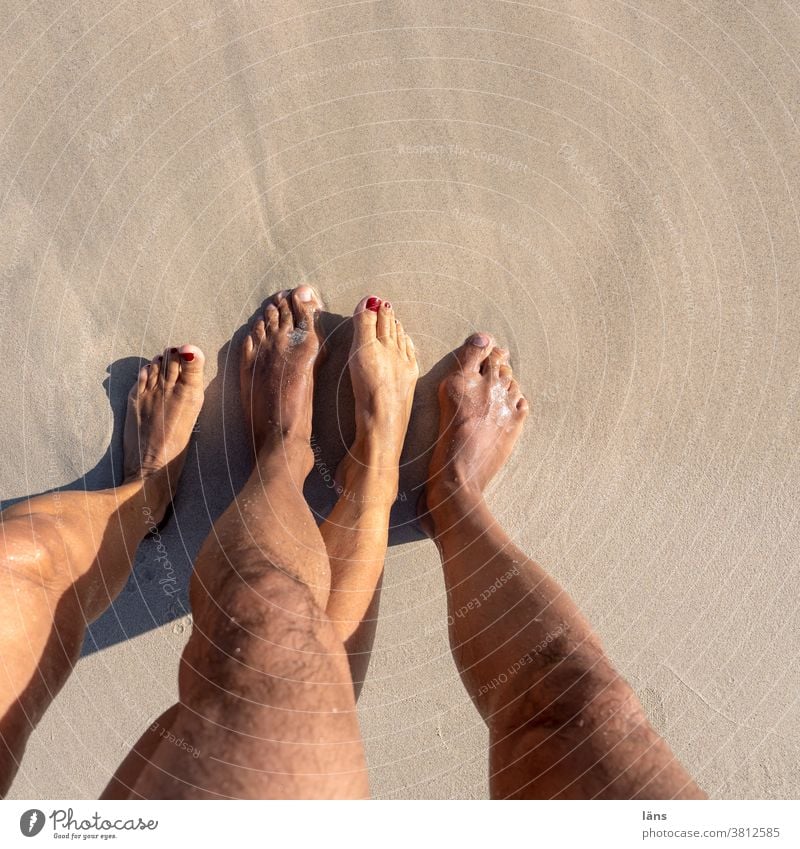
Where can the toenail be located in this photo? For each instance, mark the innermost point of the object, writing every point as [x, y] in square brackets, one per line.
[305, 294]
[481, 340]
[187, 357]
[373, 303]
[387, 305]
[173, 350]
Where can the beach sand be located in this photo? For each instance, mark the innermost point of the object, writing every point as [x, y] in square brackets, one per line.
[610, 189]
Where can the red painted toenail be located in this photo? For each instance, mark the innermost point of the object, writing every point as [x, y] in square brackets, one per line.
[387, 305]
[373, 304]
[173, 350]
[187, 357]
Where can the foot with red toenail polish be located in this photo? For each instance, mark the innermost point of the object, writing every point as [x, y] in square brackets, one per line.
[384, 371]
[163, 407]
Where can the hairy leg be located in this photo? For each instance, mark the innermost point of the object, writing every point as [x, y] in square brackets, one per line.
[562, 722]
[65, 556]
[384, 371]
[266, 702]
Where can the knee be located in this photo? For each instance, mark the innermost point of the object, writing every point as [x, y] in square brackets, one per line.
[268, 599]
[260, 637]
[231, 575]
[31, 548]
[269, 608]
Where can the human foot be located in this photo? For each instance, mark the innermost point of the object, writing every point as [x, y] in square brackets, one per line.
[482, 411]
[384, 372]
[163, 406]
[277, 375]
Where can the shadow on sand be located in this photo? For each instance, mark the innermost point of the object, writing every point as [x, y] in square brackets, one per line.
[217, 466]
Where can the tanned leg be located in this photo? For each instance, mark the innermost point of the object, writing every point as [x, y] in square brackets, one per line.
[266, 702]
[562, 722]
[65, 556]
[384, 371]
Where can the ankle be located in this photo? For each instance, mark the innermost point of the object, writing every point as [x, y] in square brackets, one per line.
[447, 505]
[374, 454]
[287, 448]
[451, 495]
[155, 490]
[369, 474]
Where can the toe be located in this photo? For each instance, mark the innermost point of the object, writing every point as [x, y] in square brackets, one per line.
[255, 338]
[141, 382]
[411, 351]
[474, 351]
[386, 329]
[305, 305]
[192, 361]
[259, 329]
[276, 297]
[285, 319]
[248, 349]
[365, 320]
[517, 399]
[171, 366]
[404, 343]
[505, 373]
[491, 365]
[153, 371]
[272, 320]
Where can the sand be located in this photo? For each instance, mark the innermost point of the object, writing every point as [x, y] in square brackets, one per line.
[610, 188]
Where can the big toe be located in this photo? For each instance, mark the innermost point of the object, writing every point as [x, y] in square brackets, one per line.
[365, 320]
[192, 362]
[474, 351]
[306, 304]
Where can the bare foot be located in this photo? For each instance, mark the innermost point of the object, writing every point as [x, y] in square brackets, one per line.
[163, 406]
[277, 376]
[384, 372]
[482, 411]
